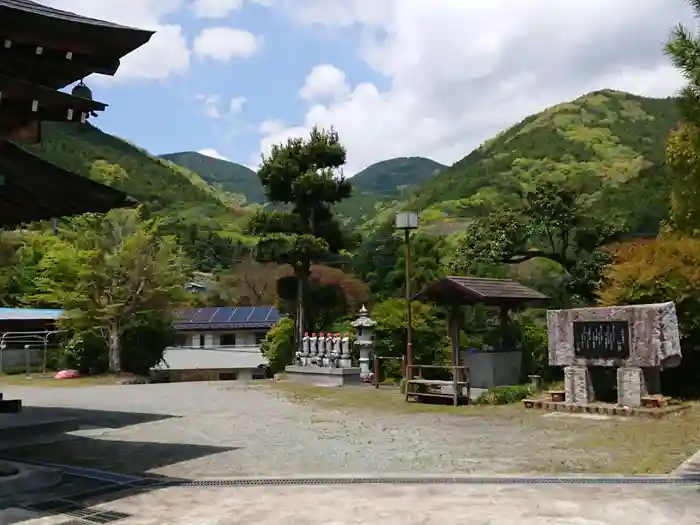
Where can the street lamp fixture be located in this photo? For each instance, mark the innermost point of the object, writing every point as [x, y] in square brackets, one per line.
[407, 221]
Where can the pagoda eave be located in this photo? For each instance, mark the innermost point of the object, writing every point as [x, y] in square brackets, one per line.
[32, 189]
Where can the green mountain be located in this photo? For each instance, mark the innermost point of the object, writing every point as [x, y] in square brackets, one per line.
[228, 176]
[382, 183]
[208, 221]
[609, 143]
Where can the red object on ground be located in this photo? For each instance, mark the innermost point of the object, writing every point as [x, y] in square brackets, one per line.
[67, 374]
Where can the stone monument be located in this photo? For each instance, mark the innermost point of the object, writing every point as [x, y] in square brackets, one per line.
[365, 341]
[633, 342]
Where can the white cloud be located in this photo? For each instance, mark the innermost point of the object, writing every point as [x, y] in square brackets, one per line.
[324, 82]
[225, 43]
[215, 8]
[211, 152]
[166, 54]
[216, 107]
[460, 71]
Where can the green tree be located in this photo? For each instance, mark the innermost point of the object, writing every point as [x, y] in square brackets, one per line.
[429, 333]
[303, 177]
[683, 148]
[115, 268]
[663, 269]
[552, 221]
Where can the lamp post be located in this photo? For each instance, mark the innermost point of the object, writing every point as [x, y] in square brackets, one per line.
[407, 221]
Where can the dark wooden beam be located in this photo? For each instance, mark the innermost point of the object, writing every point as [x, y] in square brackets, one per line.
[51, 68]
[54, 28]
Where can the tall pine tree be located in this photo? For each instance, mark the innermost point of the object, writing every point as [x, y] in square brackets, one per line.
[683, 150]
[304, 177]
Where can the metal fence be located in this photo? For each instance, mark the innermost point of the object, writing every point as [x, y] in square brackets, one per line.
[28, 350]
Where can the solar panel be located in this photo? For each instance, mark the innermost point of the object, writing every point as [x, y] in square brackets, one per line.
[273, 316]
[203, 315]
[259, 314]
[222, 315]
[240, 314]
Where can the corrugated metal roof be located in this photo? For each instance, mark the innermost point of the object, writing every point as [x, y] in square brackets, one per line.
[43, 10]
[29, 314]
[478, 289]
[203, 359]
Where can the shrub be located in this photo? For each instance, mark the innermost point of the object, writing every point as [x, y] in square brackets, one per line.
[144, 342]
[278, 345]
[505, 395]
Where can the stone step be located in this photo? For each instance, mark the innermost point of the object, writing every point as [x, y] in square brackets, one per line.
[18, 430]
[10, 406]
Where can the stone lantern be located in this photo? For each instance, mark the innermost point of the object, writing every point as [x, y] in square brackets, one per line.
[365, 341]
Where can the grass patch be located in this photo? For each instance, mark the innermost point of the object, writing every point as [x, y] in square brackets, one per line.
[635, 445]
[385, 399]
[47, 380]
[644, 446]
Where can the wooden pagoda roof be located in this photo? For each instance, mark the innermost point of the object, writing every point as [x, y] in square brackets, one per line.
[55, 48]
[477, 290]
[32, 189]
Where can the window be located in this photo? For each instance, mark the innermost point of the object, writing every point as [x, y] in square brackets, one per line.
[202, 340]
[259, 336]
[228, 376]
[228, 340]
[180, 340]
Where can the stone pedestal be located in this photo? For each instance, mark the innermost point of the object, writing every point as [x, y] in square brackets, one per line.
[630, 387]
[320, 376]
[364, 361]
[577, 385]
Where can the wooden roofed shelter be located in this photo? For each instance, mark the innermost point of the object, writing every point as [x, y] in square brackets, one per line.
[454, 292]
[41, 51]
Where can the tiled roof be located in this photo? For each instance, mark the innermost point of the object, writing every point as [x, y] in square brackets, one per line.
[469, 290]
[42, 10]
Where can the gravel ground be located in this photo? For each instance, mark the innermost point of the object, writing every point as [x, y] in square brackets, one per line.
[198, 430]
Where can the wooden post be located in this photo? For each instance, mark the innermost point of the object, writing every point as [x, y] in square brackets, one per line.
[454, 336]
[503, 317]
[375, 368]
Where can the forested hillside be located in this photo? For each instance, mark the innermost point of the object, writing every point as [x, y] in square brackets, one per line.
[382, 183]
[208, 222]
[608, 143]
[228, 176]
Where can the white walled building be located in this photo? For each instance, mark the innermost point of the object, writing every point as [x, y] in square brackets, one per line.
[220, 343]
[226, 327]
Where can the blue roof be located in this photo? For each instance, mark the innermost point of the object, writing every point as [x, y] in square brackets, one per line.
[226, 317]
[29, 314]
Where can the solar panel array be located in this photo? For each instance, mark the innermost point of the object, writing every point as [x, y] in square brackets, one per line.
[227, 317]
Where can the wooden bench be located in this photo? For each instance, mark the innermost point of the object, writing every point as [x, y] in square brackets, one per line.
[457, 389]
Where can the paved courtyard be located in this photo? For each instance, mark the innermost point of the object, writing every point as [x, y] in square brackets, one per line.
[202, 430]
[197, 430]
[400, 505]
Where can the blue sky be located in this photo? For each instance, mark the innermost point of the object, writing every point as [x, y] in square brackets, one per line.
[168, 115]
[432, 78]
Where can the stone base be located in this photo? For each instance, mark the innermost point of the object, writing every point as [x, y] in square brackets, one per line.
[631, 387]
[577, 385]
[608, 410]
[318, 376]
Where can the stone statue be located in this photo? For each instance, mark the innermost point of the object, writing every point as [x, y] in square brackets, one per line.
[313, 349]
[321, 349]
[305, 349]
